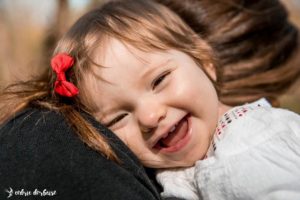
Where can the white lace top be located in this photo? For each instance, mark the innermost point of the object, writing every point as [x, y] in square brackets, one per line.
[255, 154]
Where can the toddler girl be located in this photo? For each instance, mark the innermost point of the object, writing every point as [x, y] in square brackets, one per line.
[159, 80]
[138, 69]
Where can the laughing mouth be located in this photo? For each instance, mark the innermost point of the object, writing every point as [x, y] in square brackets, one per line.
[176, 133]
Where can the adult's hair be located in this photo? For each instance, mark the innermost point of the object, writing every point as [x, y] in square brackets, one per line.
[143, 24]
[256, 45]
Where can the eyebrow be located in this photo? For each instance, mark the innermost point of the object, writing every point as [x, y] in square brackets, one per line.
[153, 69]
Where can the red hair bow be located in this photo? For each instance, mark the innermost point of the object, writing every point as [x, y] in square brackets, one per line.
[60, 64]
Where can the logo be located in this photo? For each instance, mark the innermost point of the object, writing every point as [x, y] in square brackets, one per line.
[10, 192]
[23, 192]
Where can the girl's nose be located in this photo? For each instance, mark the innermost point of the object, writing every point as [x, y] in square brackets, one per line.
[150, 114]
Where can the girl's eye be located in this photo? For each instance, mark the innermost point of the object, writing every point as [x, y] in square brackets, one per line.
[159, 80]
[115, 120]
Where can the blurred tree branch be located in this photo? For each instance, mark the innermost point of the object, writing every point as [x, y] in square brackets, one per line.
[7, 42]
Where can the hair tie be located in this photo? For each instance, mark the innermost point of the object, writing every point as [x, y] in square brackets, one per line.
[60, 64]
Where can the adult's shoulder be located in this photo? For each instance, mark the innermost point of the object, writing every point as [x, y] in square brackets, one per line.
[39, 150]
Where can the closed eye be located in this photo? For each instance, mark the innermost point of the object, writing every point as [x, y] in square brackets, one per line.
[159, 80]
[116, 120]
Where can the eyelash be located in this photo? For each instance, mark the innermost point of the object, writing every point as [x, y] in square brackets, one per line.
[160, 79]
[116, 120]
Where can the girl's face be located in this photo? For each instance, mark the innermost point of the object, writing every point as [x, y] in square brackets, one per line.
[161, 104]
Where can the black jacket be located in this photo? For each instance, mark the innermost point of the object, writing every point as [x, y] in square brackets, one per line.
[39, 153]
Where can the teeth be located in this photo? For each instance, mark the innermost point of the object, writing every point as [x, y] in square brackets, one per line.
[172, 129]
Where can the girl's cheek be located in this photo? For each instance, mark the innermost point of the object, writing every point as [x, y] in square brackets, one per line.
[125, 134]
[184, 91]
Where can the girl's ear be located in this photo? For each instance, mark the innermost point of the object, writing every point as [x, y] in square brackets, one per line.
[211, 71]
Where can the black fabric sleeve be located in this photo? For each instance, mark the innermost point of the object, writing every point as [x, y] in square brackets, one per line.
[40, 152]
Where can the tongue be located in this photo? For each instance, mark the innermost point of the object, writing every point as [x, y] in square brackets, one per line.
[176, 135]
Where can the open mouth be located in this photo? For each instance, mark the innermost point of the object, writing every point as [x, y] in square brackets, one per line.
[176, 138]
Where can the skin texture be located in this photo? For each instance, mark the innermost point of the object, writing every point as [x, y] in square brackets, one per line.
[149, 94]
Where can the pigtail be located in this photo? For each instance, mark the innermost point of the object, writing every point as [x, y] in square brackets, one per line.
[18, 96]
[39, 93]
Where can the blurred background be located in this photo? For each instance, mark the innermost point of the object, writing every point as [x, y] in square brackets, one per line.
[29, 30]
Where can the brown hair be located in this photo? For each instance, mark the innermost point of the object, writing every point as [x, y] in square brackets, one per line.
[144, 24]
[255, 43]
